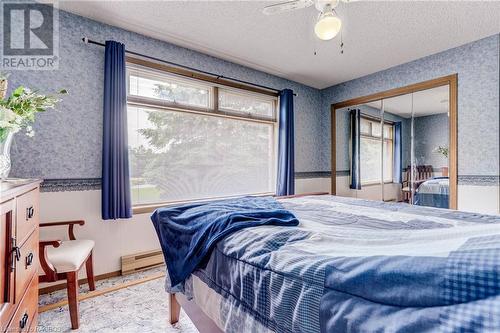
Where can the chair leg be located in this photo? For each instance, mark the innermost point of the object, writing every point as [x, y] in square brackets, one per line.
[175, 309]
[90, 272]
[72, 284]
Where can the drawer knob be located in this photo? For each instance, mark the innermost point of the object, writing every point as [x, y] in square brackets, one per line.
[30, 212]
[29, 259]
[23, 321]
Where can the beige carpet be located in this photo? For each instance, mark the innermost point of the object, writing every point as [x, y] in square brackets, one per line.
[140, 308]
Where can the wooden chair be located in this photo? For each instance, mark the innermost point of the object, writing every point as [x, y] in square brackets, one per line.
[422, 173]
[61, 260]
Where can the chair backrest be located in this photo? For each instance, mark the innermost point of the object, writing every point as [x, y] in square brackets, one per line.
[422, 172]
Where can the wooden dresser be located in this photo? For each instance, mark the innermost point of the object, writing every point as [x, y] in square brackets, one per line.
[19, 219]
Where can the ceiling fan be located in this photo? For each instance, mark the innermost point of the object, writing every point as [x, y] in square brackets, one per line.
[328, 24]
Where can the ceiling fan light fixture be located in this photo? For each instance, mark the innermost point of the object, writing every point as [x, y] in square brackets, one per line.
[328, 26]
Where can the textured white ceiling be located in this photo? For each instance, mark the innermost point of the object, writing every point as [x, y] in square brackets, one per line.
[377, 35]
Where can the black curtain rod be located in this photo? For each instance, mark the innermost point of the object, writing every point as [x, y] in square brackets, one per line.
[89, 41]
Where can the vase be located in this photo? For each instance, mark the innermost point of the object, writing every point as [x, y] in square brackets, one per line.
[444, 172]
[3, 88]
[5, 155]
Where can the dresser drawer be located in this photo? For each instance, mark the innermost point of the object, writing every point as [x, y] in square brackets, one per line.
[26, 266]
[34, 323]
[27, 310]
[7, 277]
[27, 215]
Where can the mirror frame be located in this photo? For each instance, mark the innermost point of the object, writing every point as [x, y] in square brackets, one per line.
[451, 80]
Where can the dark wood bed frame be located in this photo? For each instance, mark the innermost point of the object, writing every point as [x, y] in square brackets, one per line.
[204, 323]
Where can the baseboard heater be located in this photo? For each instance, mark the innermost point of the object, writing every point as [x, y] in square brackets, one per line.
[141, 261]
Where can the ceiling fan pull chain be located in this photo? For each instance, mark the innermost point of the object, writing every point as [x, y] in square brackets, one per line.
[341, 44]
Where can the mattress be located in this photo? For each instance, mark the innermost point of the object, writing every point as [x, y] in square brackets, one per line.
[225, 312]
[356, 266]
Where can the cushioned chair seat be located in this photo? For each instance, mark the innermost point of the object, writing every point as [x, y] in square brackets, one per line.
[70, 255]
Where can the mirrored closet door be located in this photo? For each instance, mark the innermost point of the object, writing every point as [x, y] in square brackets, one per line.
[397, 148]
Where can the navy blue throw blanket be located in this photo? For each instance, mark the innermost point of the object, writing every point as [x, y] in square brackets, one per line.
[188, 232]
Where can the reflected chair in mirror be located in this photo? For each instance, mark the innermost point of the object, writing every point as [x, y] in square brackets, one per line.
[62, 259]
[422, 173]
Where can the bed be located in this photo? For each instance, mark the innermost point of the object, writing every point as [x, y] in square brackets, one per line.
[351, 265]
[433, 193]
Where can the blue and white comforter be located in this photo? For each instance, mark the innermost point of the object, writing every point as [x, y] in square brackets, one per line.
[433, 193]
[360, 266]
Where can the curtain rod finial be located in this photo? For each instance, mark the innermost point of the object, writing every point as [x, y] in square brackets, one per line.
[85, 40]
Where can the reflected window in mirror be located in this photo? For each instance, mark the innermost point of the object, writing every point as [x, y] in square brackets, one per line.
[371, 150]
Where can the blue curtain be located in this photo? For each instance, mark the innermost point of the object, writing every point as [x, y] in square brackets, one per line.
[285, 179]
[355, 116]
[116, 202]
[398, 154]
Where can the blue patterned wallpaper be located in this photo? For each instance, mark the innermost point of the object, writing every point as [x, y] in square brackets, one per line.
[54, 153]
[477, 65]
[67, 143]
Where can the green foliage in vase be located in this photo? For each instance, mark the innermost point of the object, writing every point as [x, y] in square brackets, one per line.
[19, 110]
[442, 150]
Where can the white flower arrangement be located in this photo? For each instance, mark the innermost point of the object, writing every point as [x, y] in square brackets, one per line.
[18, 111]
[10, 121]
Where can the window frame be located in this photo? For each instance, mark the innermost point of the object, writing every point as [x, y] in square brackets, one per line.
[378, 139]
[212, 110]
[258, 97]
[153, 74]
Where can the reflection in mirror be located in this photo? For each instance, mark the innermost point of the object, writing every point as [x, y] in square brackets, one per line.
[398, 111]
[420, 146]
[371, 151]
[395, 149]
[431, 147]
[359, 150]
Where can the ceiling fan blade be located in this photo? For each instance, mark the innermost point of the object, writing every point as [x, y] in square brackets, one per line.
[287, 6]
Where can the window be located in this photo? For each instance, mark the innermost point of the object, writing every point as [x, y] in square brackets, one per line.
[370, 151]
[246, 104]
[170, 89]
[191, 140]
